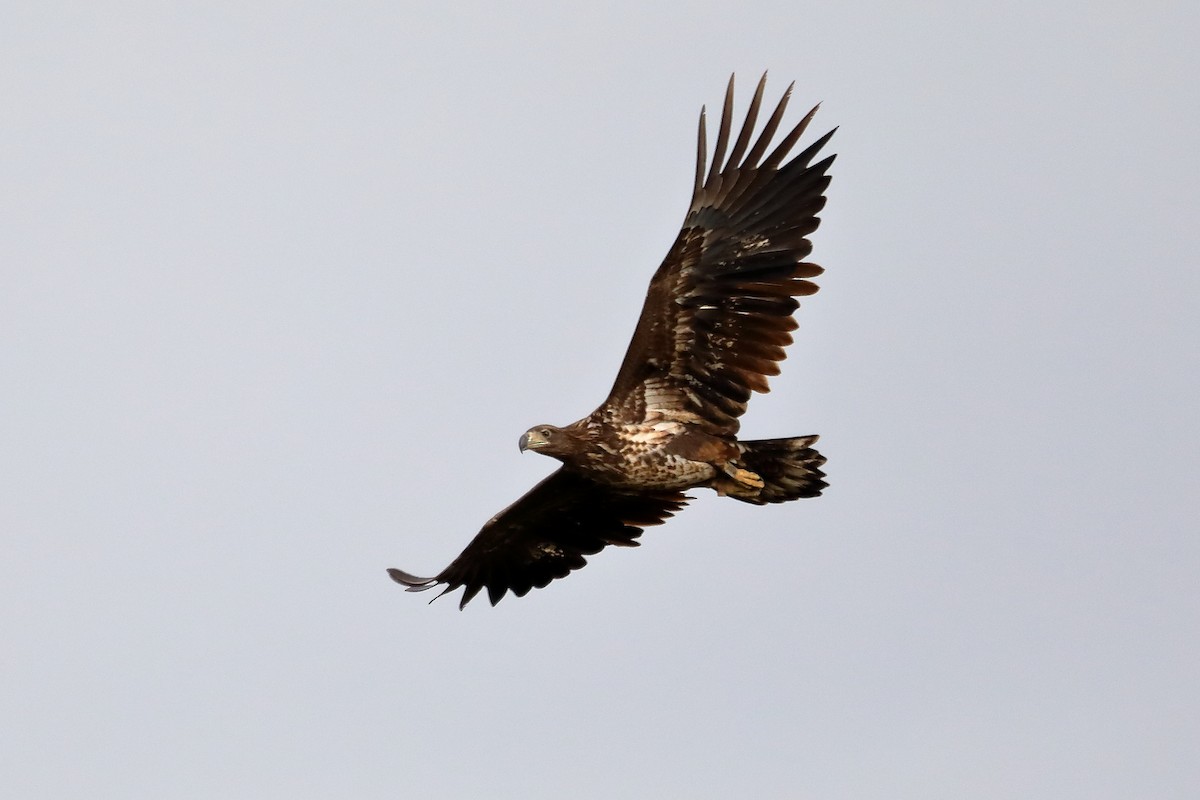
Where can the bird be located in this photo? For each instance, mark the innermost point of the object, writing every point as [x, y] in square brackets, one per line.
[716, 319]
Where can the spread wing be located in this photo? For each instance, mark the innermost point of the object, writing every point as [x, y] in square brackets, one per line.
[546, 534]
[718, 313]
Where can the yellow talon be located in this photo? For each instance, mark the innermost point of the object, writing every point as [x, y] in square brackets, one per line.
[748, 478]
[744, 477]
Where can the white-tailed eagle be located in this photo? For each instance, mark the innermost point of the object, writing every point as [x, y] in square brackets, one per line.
[715, 323]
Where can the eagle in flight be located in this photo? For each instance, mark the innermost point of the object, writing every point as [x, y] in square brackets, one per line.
[714, 325]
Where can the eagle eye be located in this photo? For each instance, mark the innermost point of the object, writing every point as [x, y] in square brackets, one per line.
[544, 433]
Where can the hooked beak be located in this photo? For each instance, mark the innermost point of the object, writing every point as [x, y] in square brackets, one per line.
[532, 440]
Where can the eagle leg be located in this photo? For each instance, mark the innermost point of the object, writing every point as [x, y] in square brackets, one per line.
[742, 478]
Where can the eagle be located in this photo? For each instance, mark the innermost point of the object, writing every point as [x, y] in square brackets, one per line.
[714, 325]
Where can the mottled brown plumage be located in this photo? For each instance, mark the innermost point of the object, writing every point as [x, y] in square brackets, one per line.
[714, 326]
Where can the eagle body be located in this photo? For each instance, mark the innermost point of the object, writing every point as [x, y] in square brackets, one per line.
[648, 454]
[716, 319]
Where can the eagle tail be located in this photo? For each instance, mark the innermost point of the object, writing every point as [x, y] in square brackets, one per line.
[789, 469]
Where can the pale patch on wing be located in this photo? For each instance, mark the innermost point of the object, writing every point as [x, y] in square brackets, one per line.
[657, 433]
[661, 395]
[663, 400]
[753, 242]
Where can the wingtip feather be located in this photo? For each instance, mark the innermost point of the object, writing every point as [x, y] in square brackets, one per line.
[414, 583]
[701, 154]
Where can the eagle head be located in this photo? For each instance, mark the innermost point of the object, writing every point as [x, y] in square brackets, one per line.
[548, 440]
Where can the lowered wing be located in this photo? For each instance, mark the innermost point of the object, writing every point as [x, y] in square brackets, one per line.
[718, 313]
[546, 534]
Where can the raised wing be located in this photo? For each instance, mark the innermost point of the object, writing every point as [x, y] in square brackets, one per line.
[718, 313]
[546, 534]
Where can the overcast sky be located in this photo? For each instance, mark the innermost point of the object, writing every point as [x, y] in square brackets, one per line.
[281, 285]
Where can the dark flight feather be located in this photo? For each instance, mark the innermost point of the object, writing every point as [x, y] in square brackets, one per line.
[745, 233]
[546, 534]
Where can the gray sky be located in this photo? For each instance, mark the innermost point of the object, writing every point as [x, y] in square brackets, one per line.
[280, 288]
